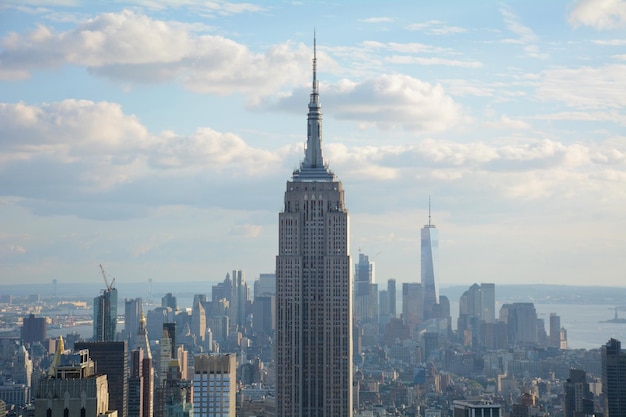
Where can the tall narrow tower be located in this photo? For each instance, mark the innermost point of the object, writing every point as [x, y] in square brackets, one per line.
[430, 249]
[313, 291]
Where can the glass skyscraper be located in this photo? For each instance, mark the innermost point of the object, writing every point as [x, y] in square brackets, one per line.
[105, 315]
[430, 269]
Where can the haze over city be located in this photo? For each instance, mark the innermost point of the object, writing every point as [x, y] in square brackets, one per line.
[156, 137]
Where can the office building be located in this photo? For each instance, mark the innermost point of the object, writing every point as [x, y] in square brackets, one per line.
[72, 388]
[169, 300]
[33, 329]
[391, 291]
[555, 330]
[521, 319]
[488, 302]
[365, 291]
[133, 311]
[105, 315]
[613, 378]
[238, 300]
[412, 304]
[140, 385]
[265, 285]
[430, 269]
[477, 408]
[111, 359]
[313, 287]
[214, 385]
[578, 400]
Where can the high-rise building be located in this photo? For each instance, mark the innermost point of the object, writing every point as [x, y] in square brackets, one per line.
[133, 311]
[140, 385]
[33, 329]
[238, 299]
[578, 400]
[214, 385]
[313, 287]
[72, 388]
[613, 378]
[391, 291]
[521, 319]
[365, 291]
[412, 304]
[111, 358]
[488, 302]
[265, 285]
[141, 338]
[430, 269]
[141, 381]
[169, 300]
[105, 315]
[555, 330]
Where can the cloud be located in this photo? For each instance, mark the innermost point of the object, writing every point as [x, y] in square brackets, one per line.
[585, 87]
[378, 20]
[506, 122]
[598, 14]
[525, 36]
[436, 27]
[388, 101]
[71, 155]
[91, 160]
[131, 47]
[434, 61]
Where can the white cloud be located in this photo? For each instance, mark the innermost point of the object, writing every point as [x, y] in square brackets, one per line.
[436, 27]
[380, 19]
[395, 100]
[132, 47]
[525, 35]
[586, 87]
[598, 14]
[433, 61]
[506, 122]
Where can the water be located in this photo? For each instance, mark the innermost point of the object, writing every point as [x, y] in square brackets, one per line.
[582, 322]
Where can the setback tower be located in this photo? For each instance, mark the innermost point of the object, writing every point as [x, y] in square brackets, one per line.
[313, 291]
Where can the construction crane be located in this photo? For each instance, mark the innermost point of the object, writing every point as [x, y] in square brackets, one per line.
[106, 281]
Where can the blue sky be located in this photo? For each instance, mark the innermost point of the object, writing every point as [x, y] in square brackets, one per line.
[156, 137]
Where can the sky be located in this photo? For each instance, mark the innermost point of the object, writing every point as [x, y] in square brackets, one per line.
[156, 137]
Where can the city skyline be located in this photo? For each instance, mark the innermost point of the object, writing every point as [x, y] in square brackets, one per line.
[154, 137]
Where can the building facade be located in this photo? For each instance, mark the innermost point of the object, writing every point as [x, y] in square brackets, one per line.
[105, 315]
[429, 271]
[613, 378]
[111, 359]
[313, 289]
[365, 291]
[214, 385]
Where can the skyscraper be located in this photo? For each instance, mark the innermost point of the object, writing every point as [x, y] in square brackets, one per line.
[412, 304]
[430, 252]
[578, 399]
[105, 315]
[133, 312]
[313, 291]
[111, 358]
[365, 291]
[613, 378]
[33, 329]
[214, 385]
[391, 290]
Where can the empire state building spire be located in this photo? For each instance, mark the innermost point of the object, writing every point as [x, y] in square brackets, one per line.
[313, 167]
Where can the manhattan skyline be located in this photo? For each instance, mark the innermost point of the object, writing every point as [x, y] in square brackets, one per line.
[154, 137]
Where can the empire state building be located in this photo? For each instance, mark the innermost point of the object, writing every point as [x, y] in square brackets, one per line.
[313, 291]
